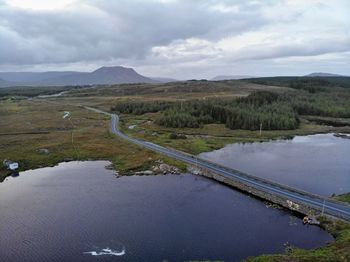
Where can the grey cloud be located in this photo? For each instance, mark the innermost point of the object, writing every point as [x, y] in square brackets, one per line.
[178, 37]
[289, 50]
[105, 30]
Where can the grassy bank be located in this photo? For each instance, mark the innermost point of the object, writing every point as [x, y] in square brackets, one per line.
[343, 197]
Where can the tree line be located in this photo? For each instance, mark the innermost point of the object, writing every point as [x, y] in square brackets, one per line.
[265, 109]
[139, 108]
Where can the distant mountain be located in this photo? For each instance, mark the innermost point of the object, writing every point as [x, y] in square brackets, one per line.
[322, 74]
[101, 76]
[230, 77]
[164, 79]
[33, 76]
[4, 83]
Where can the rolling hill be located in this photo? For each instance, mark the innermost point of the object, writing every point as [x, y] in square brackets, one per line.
[230, 77]
[320, 74]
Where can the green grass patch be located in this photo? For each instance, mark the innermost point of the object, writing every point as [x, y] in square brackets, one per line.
[343, 197]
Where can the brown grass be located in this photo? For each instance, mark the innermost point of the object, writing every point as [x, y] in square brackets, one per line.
[91, 138]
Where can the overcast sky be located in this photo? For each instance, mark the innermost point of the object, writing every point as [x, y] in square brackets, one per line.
[177, 38]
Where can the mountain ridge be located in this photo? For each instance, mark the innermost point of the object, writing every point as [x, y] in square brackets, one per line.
[102, 76]
[322, 74]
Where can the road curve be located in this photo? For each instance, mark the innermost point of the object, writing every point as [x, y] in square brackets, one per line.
[328, 206]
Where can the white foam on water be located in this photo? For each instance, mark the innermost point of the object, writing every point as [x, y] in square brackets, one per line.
[106, 251]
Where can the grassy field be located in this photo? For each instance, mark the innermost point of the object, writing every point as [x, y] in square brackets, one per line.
[35, 134]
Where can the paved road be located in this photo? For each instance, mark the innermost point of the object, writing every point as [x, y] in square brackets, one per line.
[329, 206]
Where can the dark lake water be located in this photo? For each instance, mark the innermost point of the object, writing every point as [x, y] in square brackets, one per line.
[79, 211]
[317, 163]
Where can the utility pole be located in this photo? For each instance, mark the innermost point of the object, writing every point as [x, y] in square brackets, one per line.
[72, 138]
[324, 200]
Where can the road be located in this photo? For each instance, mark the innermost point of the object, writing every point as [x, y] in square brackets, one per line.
[323, 204]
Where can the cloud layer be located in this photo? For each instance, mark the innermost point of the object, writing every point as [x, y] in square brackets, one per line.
[178, 38]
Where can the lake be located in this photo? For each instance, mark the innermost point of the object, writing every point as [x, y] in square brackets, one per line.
[317, 163]
[80, 211]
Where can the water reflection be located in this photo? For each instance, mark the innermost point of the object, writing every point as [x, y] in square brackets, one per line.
[60, 213]
[316, 163]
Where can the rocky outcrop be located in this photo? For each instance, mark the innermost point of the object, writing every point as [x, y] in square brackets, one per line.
[165, 169]
[159, 168]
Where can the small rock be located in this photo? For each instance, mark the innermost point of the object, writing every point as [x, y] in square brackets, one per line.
[146, 172]
[109, 167]
[43, 151]
[194, 170]
[163, 167]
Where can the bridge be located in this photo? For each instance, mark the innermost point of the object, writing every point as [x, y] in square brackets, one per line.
[292, 198]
